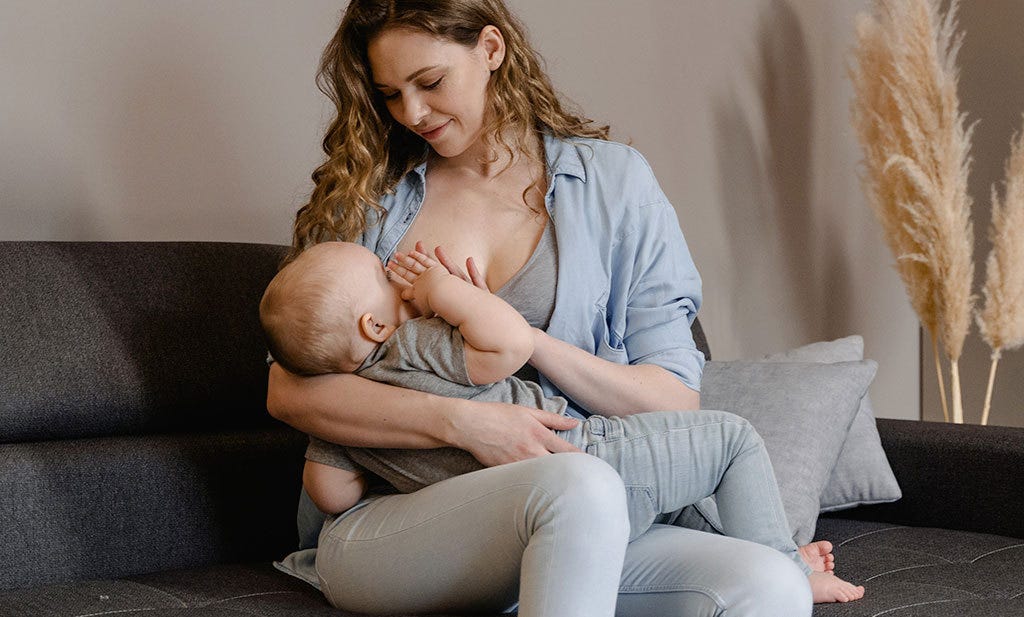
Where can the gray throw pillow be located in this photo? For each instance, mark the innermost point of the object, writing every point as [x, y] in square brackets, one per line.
[802, 411]
[862, 474]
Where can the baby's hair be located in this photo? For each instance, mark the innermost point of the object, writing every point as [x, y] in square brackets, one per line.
[310, 318]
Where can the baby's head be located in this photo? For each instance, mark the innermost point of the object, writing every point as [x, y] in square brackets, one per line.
[326, 311]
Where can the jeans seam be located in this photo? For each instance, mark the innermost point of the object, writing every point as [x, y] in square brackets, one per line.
[710, 593]
[677, 429]
[440, 514]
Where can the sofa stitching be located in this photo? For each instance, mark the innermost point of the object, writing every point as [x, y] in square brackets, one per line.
[1005, 548]
[926, 565]
[162, 591]
[247, 595]
[897, 608]
[123, 610]
[868, 533]
[912, 551]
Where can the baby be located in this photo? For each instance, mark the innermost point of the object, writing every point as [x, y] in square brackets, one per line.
[337, 308]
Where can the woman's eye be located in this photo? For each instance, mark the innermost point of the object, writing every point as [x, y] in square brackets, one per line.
[434, 85]
[390, 97]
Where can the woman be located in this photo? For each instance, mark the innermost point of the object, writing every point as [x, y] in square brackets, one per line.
[449, 133]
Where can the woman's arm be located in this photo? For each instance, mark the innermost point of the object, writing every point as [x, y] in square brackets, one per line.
[354, 411]
[607, 388]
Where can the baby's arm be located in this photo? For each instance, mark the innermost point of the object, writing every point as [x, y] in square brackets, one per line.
[333, 490]
[497, 339]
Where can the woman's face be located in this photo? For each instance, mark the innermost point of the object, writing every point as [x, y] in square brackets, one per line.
[436, 88]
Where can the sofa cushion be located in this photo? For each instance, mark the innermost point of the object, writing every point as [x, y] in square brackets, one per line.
[228, 590]
[802, 411]
[250, 589]
[112, 338]
[862, 474]
[924, 572]
[116, 506]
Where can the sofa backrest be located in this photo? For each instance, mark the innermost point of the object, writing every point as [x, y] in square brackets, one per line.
[133, 428]
[103, 338]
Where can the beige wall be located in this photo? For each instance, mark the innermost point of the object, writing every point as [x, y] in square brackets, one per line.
[158, 120]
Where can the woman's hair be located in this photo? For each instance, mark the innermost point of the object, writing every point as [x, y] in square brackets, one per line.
[368, 152]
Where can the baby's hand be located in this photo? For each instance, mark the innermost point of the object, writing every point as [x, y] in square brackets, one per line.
[410, 266]
[419, 272]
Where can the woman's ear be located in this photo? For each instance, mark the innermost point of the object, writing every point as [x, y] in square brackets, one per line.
[374, 330]
[492, 43]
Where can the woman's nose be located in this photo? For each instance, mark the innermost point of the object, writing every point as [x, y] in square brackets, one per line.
[415, 111]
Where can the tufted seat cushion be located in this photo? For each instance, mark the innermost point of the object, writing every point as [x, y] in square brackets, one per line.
[215, 591]
[908, 572]
[925, 572]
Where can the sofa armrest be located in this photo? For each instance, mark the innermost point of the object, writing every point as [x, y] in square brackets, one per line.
[963, 477]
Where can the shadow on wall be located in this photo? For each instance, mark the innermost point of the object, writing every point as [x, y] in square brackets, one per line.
[767, 192]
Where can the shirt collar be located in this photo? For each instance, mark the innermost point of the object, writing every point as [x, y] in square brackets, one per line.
[563, 157]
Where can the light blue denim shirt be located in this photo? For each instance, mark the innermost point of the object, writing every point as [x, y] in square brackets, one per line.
[627, 288]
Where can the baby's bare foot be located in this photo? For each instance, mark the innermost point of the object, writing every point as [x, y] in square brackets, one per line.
[818, 555]
[827, 587]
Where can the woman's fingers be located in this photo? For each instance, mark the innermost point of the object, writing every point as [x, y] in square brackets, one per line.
[506, 433]
[554, 421]
[556, 444]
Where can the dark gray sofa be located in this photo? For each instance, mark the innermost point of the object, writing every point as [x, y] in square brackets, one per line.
[141, 474]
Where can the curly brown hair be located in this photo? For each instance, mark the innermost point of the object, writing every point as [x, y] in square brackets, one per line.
[368, 152]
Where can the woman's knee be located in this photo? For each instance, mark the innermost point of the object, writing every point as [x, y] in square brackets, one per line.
[582, 488]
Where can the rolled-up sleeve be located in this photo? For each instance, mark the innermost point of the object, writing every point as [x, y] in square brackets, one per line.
[663, 297]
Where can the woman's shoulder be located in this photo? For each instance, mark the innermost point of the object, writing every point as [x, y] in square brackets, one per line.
[598, 153]
[614, 169]
[604, 157]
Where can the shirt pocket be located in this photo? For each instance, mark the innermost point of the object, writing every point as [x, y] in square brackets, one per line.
[608, 334]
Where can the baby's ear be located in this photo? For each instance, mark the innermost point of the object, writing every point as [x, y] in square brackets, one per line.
[373, 329]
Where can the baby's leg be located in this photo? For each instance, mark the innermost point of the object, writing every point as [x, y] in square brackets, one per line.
[818, 555]
[669, 460]
[827, 587]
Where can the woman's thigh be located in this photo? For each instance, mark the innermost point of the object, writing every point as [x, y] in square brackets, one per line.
[464, 544]
[672, 571]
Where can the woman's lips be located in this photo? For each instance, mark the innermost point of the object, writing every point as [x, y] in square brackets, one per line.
[435, 133]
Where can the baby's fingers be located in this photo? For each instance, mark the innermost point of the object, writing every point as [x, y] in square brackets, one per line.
[421, 256]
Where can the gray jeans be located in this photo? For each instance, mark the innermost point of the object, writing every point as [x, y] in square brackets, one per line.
[551, 533]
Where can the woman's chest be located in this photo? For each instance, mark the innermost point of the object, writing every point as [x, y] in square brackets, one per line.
[491, 224]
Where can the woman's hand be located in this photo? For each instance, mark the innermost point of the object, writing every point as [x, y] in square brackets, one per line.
[499, 433]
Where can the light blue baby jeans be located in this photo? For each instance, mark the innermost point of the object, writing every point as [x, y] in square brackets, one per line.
[670, 460]
[551, 534]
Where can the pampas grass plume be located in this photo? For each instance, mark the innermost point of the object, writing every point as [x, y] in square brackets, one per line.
[1001, 321]
[917, 159]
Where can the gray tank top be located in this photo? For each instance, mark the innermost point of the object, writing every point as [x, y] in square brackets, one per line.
[531, 291]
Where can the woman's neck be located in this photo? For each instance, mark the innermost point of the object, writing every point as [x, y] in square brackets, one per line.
[489, 159]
